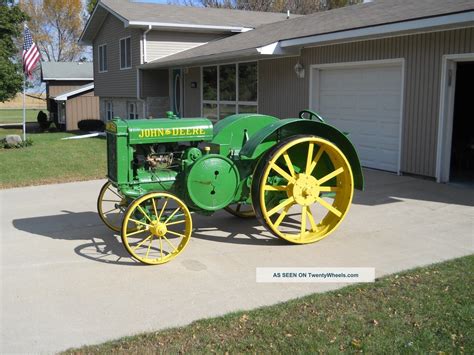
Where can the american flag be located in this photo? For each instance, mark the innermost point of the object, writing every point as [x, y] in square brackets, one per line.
[31, 55]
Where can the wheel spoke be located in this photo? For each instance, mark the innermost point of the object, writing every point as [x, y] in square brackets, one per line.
[175, 222]
[111, 201]
[154, 208]
[303, 220]
[161, 247]
[275, 188]
[174, 248]
[328, 188]
[282, 216]
[311, 219]
[139, 222]
[171, 215]
[282, 172]
[330, 176]
[113, 209]
[149, 247]
[143, 241]
[315, 161]
[280, 206]
[330, 207]
[108, 188]
[144, 213]
[136, 232]
[178, 234]
[309, 158]
[289, 164]
[163, 209]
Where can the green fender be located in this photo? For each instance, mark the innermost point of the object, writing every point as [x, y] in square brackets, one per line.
[270, 135]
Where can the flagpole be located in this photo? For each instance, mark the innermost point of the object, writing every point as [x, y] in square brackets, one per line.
[24, 108]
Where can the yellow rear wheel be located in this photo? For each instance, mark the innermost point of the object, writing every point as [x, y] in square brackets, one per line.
[303, 190]
[111, 206]
[163, 227]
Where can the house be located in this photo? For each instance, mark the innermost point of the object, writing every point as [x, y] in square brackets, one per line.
[395, 74]
[70, 93]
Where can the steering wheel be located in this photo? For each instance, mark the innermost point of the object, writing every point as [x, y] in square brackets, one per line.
[312, 115]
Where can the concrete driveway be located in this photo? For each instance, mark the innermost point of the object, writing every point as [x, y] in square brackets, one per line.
[66, 280]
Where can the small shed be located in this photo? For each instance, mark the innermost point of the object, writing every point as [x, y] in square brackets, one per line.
[70, 93]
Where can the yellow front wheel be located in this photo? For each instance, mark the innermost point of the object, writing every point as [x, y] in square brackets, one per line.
[163, 227]
[111, 206]
[303, 190]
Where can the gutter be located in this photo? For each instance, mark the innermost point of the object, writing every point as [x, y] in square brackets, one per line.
[145, 60]
[172, 25]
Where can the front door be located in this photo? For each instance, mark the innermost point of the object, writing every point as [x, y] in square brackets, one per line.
[176, 95]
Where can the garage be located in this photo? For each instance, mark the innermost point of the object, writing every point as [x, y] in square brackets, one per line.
[365, 100]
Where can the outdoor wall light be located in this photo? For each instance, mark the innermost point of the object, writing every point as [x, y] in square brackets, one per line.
[299, 70]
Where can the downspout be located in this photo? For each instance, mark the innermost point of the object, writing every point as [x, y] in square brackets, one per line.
[143, 60]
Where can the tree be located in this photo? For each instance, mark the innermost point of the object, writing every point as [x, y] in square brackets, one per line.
[11, 73]
[91, 5]
[56, 26]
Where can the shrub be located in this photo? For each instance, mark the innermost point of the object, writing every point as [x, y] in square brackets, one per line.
[43, 121]
[91, 125]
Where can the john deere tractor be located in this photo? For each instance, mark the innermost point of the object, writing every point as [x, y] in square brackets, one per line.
[296, 175]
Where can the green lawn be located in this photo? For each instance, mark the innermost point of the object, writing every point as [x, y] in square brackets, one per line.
[425, 310]
[16, 115]
[52, 160]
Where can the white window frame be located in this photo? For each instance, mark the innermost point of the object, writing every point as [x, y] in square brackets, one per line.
[109, 110]
[122, 65]
[105, 67]
[135, 110]
[218, 102]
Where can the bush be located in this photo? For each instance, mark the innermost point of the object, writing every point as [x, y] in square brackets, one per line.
[91, 125]
[43, 121]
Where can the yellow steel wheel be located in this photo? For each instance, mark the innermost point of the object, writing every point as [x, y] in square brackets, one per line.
[111, 206]
[241, 210]
[303, 190]
[163, 228]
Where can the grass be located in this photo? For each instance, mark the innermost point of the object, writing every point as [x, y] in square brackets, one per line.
[425, 310]
[16, 115]
[51, 160]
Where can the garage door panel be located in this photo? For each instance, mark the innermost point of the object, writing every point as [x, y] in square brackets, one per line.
[365, 102]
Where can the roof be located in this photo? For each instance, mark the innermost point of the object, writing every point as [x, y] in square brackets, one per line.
[81, 89]
[144, 14]
[322, 24]
[67, 71]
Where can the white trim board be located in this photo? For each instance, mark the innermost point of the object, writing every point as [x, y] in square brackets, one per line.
[315, 68]
[80, 90]
[445, 115]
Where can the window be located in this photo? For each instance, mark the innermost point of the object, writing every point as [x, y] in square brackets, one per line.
[132, 113]
[228, 89]
[109, 110]
[125, 53]
[102, 58]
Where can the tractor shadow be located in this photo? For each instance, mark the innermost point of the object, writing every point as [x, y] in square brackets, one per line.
[94, 241]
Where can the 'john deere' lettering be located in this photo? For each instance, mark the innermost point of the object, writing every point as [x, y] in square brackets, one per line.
[177, 132]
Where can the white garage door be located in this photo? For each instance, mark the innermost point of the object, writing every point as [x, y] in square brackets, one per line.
[366, 102]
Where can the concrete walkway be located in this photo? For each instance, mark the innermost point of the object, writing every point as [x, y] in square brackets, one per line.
[67, 281]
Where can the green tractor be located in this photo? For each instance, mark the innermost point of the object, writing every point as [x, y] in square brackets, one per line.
[296, 175]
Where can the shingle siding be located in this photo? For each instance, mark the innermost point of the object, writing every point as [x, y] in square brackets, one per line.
[116, 82]
[283, 95]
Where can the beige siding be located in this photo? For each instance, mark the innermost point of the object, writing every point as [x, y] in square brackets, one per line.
[192, 96]
[281, 94]
[116, 82]
[81, 108]
[57, 88]
[162, 43]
